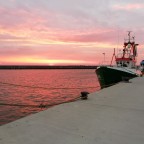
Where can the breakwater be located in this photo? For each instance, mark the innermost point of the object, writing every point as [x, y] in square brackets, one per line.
[46, 67]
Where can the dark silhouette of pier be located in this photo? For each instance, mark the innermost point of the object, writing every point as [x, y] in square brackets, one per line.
[47, 67]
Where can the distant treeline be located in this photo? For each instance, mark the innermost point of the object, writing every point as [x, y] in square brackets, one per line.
[44, 67]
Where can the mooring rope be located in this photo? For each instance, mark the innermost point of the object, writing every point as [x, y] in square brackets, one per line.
[40, 105]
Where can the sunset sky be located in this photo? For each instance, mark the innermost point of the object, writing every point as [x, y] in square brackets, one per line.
[67, 32]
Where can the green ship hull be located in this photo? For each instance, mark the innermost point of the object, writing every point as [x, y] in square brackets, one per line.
[108, 76]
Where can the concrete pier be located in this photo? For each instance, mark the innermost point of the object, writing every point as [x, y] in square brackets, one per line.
[114, 115]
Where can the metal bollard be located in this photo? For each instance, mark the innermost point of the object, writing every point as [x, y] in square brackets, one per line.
[84, 95]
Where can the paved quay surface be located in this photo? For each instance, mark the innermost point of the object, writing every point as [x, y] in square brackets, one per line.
[114, 115]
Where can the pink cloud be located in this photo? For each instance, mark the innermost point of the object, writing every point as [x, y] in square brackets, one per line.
[43, 26]
[22, 19]
[103, 36]
[129, 6]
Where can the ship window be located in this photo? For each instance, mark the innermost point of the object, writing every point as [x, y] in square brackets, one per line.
[124, 65]
[118, 64]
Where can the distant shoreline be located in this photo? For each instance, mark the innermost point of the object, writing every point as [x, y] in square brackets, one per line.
[44, 67]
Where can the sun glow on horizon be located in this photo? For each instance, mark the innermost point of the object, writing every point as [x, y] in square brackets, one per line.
[27, 60]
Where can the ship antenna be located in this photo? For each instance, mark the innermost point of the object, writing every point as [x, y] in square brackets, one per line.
[129, 37]
[133, 37]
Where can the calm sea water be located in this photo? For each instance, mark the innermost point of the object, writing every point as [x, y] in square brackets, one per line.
[35, 87]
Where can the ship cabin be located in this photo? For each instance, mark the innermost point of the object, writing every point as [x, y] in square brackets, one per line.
[128, 61]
